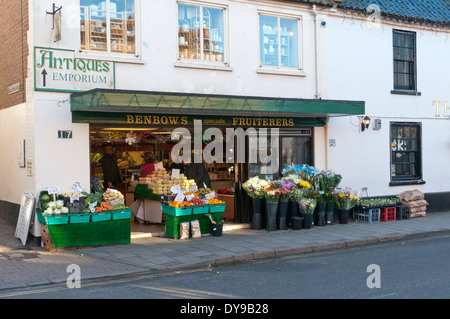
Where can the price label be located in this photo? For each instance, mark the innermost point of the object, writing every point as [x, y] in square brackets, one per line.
[53, 190]
[159, 166]
[77, 187]
[190, 197]
[180, 198]
[193, 188]
[175, 189]
[92, 207]
[112, 190]
[175, 173]
[72, 199]
[210, 195]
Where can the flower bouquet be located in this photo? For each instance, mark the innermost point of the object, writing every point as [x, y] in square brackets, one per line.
[346, 199]
[286, 191]
[255, 187]
[272, 195]
[329, 180]
[307, 205]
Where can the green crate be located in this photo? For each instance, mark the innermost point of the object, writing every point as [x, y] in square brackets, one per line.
[173, 223]
[217, 208]
[121, 214]
[100, 216]
[202, 209]
[79, 218]
[174, 211]
[57, 219]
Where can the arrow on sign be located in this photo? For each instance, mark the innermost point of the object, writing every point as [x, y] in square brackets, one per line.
[44, 73]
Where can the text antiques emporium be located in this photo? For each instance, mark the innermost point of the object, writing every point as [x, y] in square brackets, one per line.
[295, 119]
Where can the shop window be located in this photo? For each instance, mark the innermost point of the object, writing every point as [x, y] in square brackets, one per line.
[108, 26]
[201, 33]
[295, 149]
[406, 153]
[279, 42]
[404, 47]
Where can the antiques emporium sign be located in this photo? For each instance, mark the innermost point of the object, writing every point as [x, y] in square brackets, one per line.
[59, 70]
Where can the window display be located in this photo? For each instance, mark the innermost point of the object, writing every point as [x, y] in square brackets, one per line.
[106, 30]
[279, 42]
[201, 33]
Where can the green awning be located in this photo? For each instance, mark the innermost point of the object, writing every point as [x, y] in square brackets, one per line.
[99, 101]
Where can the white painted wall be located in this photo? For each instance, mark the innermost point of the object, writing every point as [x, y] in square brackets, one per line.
[360, 66]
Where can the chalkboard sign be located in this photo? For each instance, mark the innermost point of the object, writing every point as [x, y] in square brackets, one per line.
[27, 208]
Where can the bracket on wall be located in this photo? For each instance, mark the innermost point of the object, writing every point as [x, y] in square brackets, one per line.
[55, 10]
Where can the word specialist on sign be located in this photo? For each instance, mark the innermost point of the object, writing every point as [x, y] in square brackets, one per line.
[60, 70]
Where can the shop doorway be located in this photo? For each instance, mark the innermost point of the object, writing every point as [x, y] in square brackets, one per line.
[132, 145]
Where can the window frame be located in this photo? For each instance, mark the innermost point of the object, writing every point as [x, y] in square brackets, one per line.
[411, 90]
[201, 63]
[281, 69]
[418, 157]
[116, 56]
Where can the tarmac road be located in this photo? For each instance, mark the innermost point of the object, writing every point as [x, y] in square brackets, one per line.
[408, 269]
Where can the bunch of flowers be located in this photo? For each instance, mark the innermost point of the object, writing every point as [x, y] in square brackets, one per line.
[346, 198]
[310, 174]
[329, 181]
[297, 194]
[272, 194]
[286, 190]
[307, 205]
[255, 187]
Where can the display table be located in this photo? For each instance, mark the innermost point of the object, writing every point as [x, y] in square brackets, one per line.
[150, 204]
[76, 235]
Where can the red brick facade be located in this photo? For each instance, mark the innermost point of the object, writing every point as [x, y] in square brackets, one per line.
[14, 24]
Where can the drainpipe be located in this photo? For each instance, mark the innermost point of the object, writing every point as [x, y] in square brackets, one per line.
[316, 53]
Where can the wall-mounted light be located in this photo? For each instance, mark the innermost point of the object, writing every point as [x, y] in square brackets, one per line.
[365, 122]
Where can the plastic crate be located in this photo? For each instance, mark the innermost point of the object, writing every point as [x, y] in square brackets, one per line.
[100, 217]
[57, 219]
[217, 208]
[121, 214]
[403, 212]
[202, 209]
[79, 218]
[368, 215]
[388, 214]
[176, 211]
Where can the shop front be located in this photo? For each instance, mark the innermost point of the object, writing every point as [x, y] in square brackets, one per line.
[143, 126]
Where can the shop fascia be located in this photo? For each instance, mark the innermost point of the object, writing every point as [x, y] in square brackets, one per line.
[213, 151]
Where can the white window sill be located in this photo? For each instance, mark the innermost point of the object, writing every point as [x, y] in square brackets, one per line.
[293, 72]
[199, 65]
[109, 57]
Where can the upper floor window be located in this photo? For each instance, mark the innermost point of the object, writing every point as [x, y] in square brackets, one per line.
[201, 33]
[279, 42]
[404, 45]
[108, 26]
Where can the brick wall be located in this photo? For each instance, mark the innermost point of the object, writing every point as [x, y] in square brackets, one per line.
[13, 50]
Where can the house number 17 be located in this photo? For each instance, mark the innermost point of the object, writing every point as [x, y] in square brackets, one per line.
[64, 134]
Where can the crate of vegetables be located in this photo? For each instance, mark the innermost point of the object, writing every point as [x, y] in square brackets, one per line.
[102, 212]
[216, 205]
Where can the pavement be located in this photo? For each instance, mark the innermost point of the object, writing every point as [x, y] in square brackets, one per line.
[30, 265]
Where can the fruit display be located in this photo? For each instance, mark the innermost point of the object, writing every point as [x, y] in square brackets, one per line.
[111, 195]
[164, 186]
[215, 201]
[73, 194]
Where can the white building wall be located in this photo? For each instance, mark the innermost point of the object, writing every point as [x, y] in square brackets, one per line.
[360, 66]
